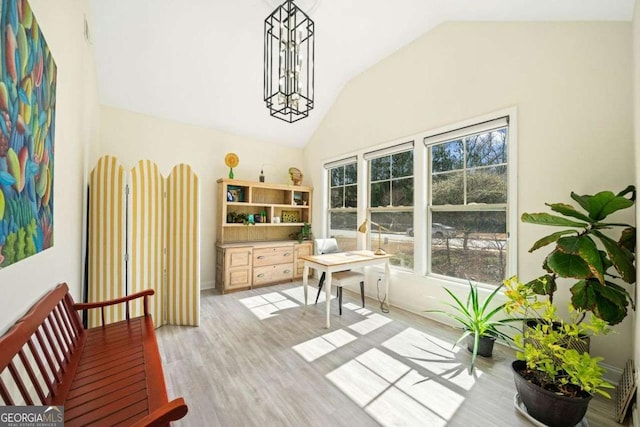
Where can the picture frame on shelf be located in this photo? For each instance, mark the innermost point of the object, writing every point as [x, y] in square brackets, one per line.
[290, 216]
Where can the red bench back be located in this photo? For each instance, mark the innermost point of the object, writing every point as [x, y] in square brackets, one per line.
[37, 351]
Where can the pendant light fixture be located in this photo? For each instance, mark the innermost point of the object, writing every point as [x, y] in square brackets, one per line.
[289, 38]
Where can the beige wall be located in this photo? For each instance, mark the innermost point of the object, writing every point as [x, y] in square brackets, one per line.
[21, 284]
[571, 86]
[132, 137]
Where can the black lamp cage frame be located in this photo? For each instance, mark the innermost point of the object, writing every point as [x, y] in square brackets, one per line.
[289, 97]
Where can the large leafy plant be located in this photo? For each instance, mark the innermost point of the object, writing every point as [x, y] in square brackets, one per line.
[585, 253]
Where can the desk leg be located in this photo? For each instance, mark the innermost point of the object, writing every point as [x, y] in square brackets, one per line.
[327, 290]
[305, 282]
[387, 277]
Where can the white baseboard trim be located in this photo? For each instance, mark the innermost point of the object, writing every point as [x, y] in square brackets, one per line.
[207, 285]
[613, 373]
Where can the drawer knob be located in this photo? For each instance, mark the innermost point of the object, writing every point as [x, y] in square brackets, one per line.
[261, 275]
[287, 254]
[287, 271]
[261, 257]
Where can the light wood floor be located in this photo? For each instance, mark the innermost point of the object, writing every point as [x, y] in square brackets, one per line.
[242, 368]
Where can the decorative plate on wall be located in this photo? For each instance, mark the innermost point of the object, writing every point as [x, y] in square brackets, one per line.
[290, 216]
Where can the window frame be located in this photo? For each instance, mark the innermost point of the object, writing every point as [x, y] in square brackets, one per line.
[342, 163]
[377, 154]
[509, 206]
[422, 239]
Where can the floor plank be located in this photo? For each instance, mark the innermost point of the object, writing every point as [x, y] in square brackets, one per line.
[260, 359]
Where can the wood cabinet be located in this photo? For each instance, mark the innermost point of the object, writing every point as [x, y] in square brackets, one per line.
[234, 268]
[256, 221]
[246, 265]
[277, 210]
[300, 250]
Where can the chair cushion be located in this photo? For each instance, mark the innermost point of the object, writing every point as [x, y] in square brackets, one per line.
[345, 277]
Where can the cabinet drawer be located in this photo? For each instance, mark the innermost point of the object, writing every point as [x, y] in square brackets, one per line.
[238, 257]
[272, 273]
[270, 256]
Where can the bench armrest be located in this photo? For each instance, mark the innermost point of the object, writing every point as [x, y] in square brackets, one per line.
[168, 412]
[102, 304]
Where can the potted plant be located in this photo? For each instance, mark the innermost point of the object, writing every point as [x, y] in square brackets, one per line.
[303, 234]
[478, 321]
[554, 377]
[577, 254]
[554, 381]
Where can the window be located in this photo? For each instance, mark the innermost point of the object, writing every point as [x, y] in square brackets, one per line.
[467, 210]
[343, 202]
[391, 196]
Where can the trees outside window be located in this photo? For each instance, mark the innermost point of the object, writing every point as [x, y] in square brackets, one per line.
[391, 196]
[467, 215]
[343, 203]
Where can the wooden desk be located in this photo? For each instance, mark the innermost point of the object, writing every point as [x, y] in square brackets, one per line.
[340, 261]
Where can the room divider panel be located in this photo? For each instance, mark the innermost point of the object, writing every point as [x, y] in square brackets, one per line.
[107, 230]
[147, 244]
[183, 259]
[161, 239]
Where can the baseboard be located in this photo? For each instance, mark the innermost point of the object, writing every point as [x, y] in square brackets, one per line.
[207, 285]
[613, 373]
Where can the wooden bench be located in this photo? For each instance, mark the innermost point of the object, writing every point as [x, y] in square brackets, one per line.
[108, 375]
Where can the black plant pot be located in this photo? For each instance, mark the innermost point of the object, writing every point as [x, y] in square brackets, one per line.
[545, 406]
[485, 345]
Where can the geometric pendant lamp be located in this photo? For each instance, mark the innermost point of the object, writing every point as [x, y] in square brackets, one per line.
[289, 62]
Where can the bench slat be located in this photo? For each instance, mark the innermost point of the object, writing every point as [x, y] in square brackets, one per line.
[41, 367]
[18, 380]
[95, 393]
[96, 414]
[79, 391]
[6, 397]
[32, 376]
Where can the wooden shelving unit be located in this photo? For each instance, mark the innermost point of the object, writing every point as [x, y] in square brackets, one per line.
[292, 204]
[260, 253]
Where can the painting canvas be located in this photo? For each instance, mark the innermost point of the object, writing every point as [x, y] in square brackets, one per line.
[27, 128]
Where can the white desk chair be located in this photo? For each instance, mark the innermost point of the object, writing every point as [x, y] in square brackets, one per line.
[341, 278]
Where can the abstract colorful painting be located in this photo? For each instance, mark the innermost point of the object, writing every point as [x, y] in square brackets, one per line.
[27, 128]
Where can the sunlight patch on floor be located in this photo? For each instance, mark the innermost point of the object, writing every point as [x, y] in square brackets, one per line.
[351, 306]
[264, 306]
[436, 355]
[325, 344]
[363, 311]
[370, 324]
[393, 393]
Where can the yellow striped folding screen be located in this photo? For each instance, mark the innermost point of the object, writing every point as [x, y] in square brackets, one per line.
[106, 237]
[183, 248]
[146, 231]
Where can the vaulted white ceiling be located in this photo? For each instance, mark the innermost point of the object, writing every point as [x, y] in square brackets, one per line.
[200, 61]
